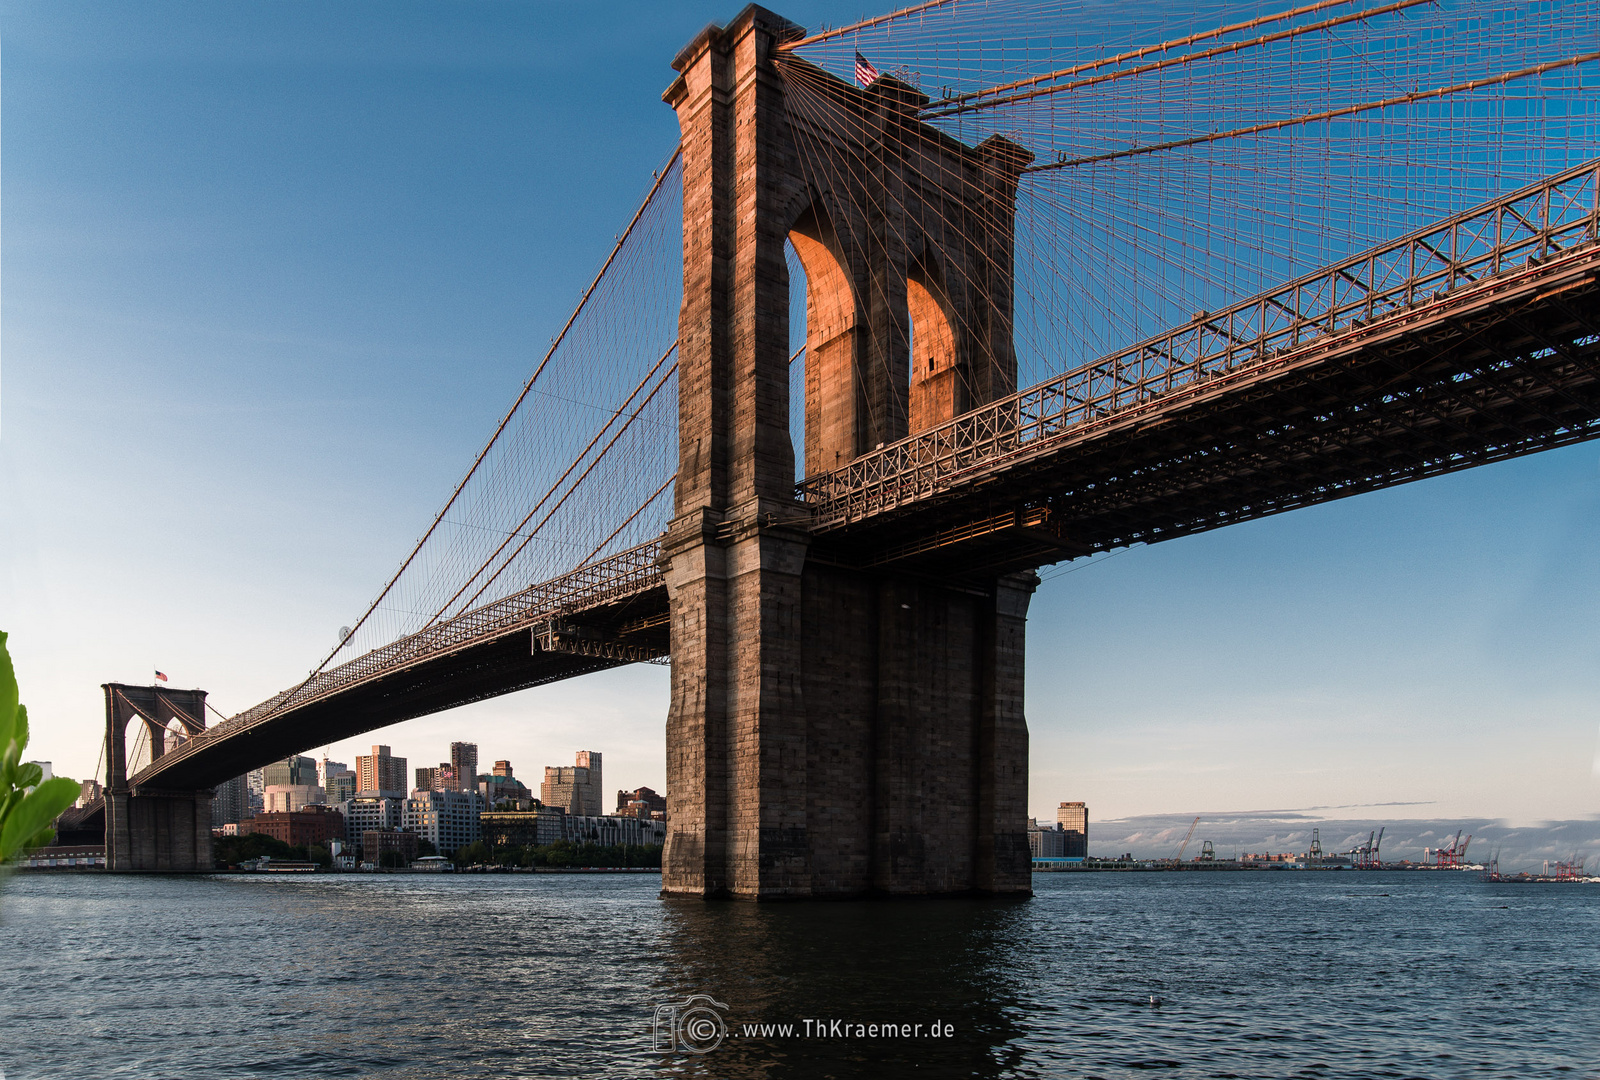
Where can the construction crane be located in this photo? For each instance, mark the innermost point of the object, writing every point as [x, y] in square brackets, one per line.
[1186, 837]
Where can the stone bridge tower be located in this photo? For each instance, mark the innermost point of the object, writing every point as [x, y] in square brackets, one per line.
[153, 829]
[834, 730]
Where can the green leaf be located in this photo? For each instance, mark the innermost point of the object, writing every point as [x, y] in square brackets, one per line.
[29, 776]
[30, 819]
[8, 691]
[19, 730]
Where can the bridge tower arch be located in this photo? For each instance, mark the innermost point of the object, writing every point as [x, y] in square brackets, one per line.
[153, 829]
[835, 729]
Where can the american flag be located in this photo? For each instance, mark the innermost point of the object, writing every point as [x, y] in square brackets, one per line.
[161, 675]
[866, 74]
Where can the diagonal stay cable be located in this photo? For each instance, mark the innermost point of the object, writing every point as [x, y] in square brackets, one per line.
[584, 453]
[655, 188]
[878, 20]
[589, 558]
[997, 96]
[670, 372]
[1328, 114]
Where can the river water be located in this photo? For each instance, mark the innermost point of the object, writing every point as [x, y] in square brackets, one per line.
[1258, 975]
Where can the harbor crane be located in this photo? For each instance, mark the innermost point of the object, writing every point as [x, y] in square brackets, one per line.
[1186, 838]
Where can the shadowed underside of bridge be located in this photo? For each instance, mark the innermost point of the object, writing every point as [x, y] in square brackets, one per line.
[847, 672]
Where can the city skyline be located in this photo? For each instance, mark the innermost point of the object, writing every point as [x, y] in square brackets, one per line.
[243, 245]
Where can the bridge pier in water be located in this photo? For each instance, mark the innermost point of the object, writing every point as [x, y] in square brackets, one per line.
[153, 830]
[836, 729]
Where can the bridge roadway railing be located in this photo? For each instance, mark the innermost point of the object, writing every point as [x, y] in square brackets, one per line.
[617, 577]
[1508, 234]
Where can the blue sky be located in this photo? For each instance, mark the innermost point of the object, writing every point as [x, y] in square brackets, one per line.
[272, 272]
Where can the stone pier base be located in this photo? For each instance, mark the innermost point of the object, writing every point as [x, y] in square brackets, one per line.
[158, 832]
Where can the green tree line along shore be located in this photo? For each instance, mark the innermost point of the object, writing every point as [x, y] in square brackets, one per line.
[230, 851]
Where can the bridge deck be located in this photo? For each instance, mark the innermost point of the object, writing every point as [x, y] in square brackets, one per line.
[1457, 345]
[480, 654]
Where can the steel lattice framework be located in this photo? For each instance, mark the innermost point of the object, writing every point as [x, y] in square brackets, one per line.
[1541, 238]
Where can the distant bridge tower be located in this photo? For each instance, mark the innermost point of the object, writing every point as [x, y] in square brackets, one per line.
[150, 829]
[835, 730]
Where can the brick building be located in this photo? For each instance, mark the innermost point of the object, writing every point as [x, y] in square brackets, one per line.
[311, 825]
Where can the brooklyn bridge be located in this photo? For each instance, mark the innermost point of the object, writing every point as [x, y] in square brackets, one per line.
[923, 304]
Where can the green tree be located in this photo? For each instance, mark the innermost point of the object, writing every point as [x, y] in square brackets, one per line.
[476, 853]
[28, 802]
[229, 851]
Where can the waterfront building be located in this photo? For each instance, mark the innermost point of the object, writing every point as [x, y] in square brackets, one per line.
[311, 825]
[63, 857]
[1073, 818]
[575, 789]
[523, 828]
[230, 803]
[296, 770]
[464, 764]
[1047, 843]
[374, 842]
[372, 812]
[446, 819]
[611, 829]
[642, 802]
[380, 773]
[341, 785]
[256, 782]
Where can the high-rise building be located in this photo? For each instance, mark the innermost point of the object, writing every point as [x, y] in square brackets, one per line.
[287, 798]
[590, 759]
[230, 804]
[255, 783]
[464, 760]
[503, 769]
[380, 773]
[340, 786]
[372, 812]
[446, 819]
[326, 768]
[294, 771]
[1073, 818]
[424, 778]
[575, 789]
[642, 803]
